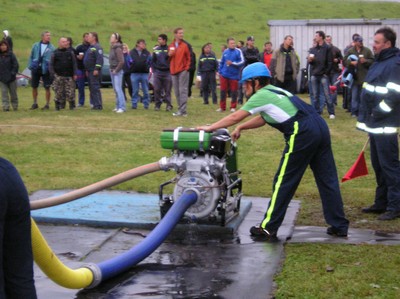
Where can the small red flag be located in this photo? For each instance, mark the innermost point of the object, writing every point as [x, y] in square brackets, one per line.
[359, 168]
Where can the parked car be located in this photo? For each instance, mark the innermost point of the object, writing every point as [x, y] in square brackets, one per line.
[105, 72]
[24, 78]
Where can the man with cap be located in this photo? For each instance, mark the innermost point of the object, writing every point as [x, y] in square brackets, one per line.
[250, 52]
[307, 143]
[361, 65]
[251, 55]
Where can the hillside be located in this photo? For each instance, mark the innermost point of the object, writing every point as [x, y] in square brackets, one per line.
[203, 21]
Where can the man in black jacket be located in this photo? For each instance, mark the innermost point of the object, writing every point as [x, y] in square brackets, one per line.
[162, 81]
[141, 59]
[251, 54]
[320, 59]
[81, 73]
[63, 69]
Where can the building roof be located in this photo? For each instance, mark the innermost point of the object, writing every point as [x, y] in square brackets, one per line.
[339, 22]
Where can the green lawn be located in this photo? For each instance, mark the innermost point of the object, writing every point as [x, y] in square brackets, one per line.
[203, 21]
[71, 149]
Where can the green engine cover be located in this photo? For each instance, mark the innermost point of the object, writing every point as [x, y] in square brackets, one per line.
[185, 139]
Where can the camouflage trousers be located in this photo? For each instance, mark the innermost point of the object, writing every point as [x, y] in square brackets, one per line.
[64, 89]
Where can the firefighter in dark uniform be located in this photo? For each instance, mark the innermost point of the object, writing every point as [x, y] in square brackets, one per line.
[308, 143]
[93, 61]
[16, 257]
[380, 117]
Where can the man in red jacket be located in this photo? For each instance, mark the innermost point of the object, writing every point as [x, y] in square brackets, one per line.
[179, 57]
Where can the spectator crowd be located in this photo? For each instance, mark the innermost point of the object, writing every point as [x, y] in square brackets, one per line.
[172, 66]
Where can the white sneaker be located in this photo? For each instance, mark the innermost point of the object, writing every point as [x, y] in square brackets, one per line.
[115, 110]
[233, 109]
[332, 116]
[220, 110]
[120, 111]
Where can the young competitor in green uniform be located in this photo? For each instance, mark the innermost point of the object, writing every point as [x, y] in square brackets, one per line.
[308, 143]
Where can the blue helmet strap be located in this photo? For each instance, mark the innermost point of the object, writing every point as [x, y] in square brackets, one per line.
[253, 85]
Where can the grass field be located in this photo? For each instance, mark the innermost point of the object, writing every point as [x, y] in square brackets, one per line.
[71, 149]
[204, 21]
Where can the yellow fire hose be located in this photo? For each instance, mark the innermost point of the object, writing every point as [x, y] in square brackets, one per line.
[54, 268]
[47, 260]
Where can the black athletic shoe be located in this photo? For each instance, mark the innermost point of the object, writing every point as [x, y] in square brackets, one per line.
[45, 107]
[389, 215]
[373, 210]
[261, 234]
[34, 106]
[335, 232]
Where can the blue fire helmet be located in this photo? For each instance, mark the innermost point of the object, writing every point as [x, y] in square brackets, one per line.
[255, 70]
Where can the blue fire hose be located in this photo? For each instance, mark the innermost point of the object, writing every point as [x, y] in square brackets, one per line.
[123, 262]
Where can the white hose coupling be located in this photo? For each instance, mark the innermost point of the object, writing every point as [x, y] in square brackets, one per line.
[96, 275]
[164, 164]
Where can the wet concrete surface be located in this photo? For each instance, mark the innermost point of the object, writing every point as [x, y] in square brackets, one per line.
[213, 266]
[224, 263]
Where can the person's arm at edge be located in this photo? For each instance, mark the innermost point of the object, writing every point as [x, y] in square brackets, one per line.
[253, 123]
[227, 121]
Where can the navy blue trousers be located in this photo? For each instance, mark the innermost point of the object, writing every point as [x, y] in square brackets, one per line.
[209, 84]
[16, 258]
[94, 88]
[385, 161]
[308, 143]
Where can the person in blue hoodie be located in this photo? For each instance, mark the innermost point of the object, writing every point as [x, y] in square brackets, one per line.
[229, 74]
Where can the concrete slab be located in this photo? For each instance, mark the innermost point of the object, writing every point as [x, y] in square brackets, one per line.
[195, 267]
[313, 234]
[115, 209]
[106, 209]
